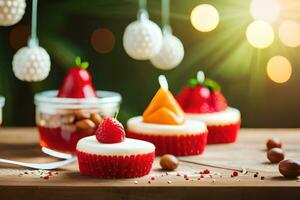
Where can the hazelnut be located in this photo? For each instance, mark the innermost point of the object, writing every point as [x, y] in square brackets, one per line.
[275, 155]
[96, 118]
[80, 114]
[168, 162]
[273, 142]
[68, 119]
[85, 124]
[289, 168]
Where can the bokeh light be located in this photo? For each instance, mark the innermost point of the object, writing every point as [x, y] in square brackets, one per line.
[289, 33]
[260, 34]
[279, 69]
[19, 35]
[205, 17]
[266, 10]
[103, 40]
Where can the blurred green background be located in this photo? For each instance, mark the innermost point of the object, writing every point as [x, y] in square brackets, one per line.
[65, 28]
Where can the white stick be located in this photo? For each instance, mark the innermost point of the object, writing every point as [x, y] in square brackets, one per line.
[200, 76]
[163, 82]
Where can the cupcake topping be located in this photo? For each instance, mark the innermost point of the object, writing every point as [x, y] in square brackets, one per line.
[110, 131]
[78, 82]
[202, 95]
[163, 108]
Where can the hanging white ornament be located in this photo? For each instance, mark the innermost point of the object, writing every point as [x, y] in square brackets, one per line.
[142, 38]
[172, 50]
[32, 63]
[170, 54]
[11, 11]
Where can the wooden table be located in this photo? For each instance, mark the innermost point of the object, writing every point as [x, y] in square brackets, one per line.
[248, 153]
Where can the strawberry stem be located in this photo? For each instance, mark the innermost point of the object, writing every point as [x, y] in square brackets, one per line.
[82, 65]
[208, 83]
[116, 114]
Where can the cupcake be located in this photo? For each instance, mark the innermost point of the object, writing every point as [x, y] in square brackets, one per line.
[164, 124]
[74, 111]
[202, 100]
[109, 154]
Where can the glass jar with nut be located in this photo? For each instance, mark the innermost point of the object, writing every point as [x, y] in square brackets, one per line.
[63, 121]
[2, 101]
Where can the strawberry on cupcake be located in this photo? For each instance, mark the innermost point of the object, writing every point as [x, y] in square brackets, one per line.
[203, 100]
[109, 154]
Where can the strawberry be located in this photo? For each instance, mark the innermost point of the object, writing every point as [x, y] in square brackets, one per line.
[202, 96]
[78, 82]
[110, 131]
[183, 96]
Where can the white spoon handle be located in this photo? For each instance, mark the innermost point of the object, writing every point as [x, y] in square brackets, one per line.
[57, 154]
[52, 165]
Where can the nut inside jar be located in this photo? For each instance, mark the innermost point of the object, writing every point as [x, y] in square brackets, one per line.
[61, 130]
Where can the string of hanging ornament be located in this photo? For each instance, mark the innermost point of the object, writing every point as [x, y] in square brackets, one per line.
[11, 11]
[172, 51]
[32, 63]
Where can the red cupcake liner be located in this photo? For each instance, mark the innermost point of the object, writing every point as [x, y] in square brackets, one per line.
[60, 140]
[219, 134]
[178, 145]
[103, 166]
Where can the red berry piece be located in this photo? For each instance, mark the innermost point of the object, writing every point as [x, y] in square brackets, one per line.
[110, 131]
[234, 174]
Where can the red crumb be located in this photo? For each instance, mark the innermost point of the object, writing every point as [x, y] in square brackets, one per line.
[206, 171]
[201, 176]
[152, 178]
[46, 177]
[234, 174]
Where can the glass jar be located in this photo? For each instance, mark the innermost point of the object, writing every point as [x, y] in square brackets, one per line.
[61, 122]
[2, 101]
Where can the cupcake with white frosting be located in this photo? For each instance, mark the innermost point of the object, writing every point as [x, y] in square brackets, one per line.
[203, 101]
[165, 125]
[109, 154]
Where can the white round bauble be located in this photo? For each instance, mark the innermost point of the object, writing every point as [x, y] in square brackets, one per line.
[11, 11]
[31, 64]
[170, 54]
[142, 39]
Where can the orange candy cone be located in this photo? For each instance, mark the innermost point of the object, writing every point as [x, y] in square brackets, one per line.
[164, 109]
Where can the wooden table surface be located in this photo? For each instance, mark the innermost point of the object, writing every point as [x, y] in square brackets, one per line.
[67, 183]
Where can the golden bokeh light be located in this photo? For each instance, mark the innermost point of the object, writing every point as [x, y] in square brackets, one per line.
[260, 34]
[279, 69]
[103, 40]
[289, 33]
[266, 10]
[204, 17]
